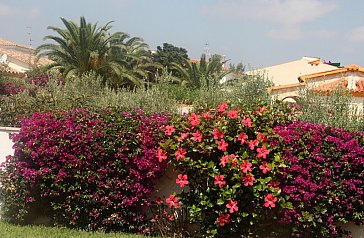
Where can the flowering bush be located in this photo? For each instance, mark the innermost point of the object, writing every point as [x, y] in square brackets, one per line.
[9, 88]
[324, 179]
[13, 86]
[224, 159]
[93, 170]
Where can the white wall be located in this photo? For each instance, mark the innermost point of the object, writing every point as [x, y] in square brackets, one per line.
[5, 143]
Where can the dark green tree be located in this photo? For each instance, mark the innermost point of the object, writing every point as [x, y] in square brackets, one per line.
[168, 54]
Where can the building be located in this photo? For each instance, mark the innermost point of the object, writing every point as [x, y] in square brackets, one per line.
[16, 58]
[313, 74]
[288, 73]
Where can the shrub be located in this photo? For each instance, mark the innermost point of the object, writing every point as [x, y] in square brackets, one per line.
[86, 92]
[228, 167]
[94, 170]
[335, 110]
[11, 86]
[324, 179]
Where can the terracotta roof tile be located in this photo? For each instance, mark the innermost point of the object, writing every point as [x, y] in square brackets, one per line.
[10, 43]
[24, 56]
[348, 68]
[340, 83]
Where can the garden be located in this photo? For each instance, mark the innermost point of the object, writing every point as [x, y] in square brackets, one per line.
[108, 151]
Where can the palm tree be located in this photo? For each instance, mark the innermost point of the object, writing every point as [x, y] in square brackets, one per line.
[87, 47]
[136, 57]
[204, 73]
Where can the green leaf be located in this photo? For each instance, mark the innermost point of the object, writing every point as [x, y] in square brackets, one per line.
[220, 202]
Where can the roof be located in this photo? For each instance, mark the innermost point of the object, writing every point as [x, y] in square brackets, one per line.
[341, 83]
[10, 43]
[348, 68]
[288, 73]
[25, 54]
[293, 85]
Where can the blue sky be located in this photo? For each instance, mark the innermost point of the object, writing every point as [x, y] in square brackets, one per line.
[256, 33]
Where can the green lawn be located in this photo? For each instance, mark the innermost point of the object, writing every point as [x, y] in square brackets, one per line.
[14, 231]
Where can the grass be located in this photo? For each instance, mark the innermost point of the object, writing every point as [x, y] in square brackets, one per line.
[11, 231]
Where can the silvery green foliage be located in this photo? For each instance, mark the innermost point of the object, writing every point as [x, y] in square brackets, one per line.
[335, 110]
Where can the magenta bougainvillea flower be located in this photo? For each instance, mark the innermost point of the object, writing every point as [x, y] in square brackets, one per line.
[91, 169]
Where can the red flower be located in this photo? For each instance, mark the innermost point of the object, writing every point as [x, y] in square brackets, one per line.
[262, 152]
[222, 145]
[173, 201]
[219, 180]
[232, 114]
[247, 122]
[180, 153]
[253, 143]
[265, 168]
[261, 137]
[183, 136]
[270, 200]
[223, 219]
[232, 206]
[217, 134]
[262, 109]
[246, 166]
[248, 180]
[161, 155]
[168, 130]
[197, 136]
[224, 160]
[182, 180]
[273, 184]
[194, 119]
[242, 137]
[222, 107]
[206, 115]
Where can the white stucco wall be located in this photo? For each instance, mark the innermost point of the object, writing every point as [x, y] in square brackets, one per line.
[5, 143]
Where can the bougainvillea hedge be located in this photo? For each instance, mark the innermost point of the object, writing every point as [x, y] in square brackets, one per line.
[93, 170]
[324, 179]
